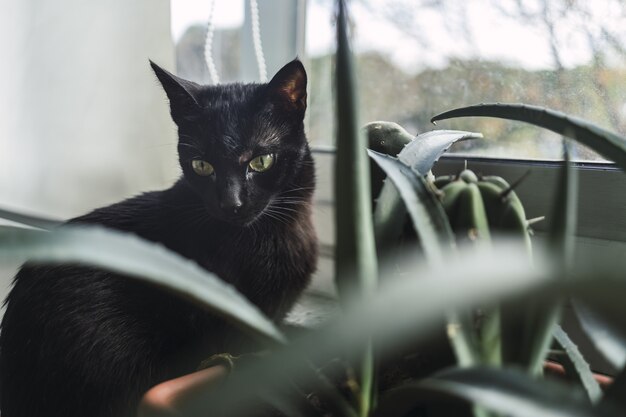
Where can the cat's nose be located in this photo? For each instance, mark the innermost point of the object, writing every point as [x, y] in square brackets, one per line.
[231, 206]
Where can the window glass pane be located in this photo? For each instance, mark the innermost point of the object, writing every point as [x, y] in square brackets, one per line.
[189, 30]
[417, 58]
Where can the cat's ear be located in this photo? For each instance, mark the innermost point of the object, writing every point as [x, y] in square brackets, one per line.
[289, 85]
[180, 92]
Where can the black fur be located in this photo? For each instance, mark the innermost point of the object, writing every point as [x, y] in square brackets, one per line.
[83, 342]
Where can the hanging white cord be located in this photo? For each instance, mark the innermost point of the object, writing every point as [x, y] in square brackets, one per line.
[256, 40]
[208, 46]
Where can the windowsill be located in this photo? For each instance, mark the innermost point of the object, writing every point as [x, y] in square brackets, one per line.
[554, 163]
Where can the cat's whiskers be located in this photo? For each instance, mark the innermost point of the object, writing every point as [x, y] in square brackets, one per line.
[287, 209]
[290, 204]
[280, 213]
[196, 146]
[294, 201]
[289, 197]
[297, 189]
[276, 216]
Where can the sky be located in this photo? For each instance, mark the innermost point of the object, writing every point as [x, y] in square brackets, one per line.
[494, 37]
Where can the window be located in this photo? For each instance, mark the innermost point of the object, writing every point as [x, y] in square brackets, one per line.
[419, 58]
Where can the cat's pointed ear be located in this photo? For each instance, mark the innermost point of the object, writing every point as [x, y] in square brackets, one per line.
[289, 85]
[180, 92]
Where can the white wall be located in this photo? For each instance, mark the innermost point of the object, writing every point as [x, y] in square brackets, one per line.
[83, 121]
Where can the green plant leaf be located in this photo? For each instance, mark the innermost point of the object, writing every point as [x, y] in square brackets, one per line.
[584, 374]
[29, 219]
[608, 144]
[355, 255]
[405, 310]
[541, 318]
[388, 138]
[142, 260]
[419, 152]
[409, 310]
[426, 149]
[432, 226]
[603, 336]
[355, 252]
[565, 211]
[389, 218]
[509, 392]
[429, 219]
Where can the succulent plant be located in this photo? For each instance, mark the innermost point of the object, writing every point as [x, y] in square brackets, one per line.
[480, 206]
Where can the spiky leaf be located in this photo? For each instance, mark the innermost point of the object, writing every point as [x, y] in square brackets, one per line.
[355, 257]
[608, 144]
[426, 149]
[542, 318]
[580, 365]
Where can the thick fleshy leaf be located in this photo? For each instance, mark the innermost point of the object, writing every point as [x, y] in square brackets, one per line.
[388, 138]
[429, 219]
[408, 309]
[565, 211]
[508, 392]
[580, 365]
[413, 309]
[389, 218]
[541, 319]
[604, 337]
[142, 260]
[432, 227]
[29, 219]
[355, 253]
[426, 149]
[608, 144]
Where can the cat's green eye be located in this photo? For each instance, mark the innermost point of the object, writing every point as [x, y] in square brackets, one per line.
[262, 162]
[202, 168]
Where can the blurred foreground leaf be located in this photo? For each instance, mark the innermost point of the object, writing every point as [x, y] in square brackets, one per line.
[29, 220]
[142, 260]
[355, 252]
[603, 336]
[406, 310]
[509, 392]
[411, 309]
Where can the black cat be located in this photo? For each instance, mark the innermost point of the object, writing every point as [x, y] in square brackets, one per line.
[84, 342]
